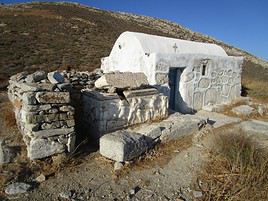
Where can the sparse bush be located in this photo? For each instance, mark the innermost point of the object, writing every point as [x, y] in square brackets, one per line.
[237, 170]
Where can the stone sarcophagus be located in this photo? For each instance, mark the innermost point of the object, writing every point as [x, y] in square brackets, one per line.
[106, 112]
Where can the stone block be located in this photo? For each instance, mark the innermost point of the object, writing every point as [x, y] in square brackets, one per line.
[243, 110]
[29, 98]
[36, 77]
[52, 132]
[33, 118]
[41, 148]
[123, 145]
[53, 97]
[140, 92]
[174, 128]
[55, 77]
[35, 108]
[122, 80]
[255, 127]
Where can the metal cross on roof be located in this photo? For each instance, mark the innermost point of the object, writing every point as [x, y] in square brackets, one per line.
[175, 47]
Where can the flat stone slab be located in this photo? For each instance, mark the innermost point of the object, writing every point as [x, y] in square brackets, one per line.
[177, 126]
[140, 92]
[123, 145]
[41, 148]
[55, 77]
[53, 97]
[255, 127]
[122, 80]
[52, 132]
[17, 188]
[216, 119]
[243, 110]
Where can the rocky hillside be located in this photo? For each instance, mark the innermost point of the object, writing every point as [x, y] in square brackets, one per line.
[61, 35]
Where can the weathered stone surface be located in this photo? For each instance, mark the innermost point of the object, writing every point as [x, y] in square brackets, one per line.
[6, 153]
[112, 114]
[52, 132]
[122, 80]
[32, 118]
[29, 98]
[150, 130]
[177, 126]
[55, 77]
[122, 145]
[36, 76]
[217, 119]
[53, 97]
[41, 148]
[17, 188]
[243, 110]
[255, 127]
[140, 92]
[35, 108]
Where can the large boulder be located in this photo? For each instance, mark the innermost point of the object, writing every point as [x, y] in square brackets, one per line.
[122, 80]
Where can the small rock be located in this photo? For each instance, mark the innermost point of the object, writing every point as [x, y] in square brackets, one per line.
[16, 188]
[36, 77]
[41, 178]
[6, 153]
[66, 195]
[39, 75]
[261, 109]
[55, 77]
[197, 194]
[118, 166]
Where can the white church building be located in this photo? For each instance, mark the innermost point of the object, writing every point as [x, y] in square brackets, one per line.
[191, 74]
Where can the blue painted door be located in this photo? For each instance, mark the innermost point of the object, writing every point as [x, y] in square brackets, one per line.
[173, 79]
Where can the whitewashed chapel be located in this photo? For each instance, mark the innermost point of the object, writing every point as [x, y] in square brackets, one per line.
[191, 74]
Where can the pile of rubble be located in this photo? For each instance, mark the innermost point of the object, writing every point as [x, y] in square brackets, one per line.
[44, 111]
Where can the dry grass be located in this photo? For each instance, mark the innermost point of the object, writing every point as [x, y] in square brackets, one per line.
[237, 170]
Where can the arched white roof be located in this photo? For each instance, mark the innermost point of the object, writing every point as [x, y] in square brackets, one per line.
[159, 44]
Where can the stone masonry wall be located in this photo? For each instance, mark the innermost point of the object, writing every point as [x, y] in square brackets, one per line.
[105, 112]
[44, 109]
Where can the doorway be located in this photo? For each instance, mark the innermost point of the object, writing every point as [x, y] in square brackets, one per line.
[174, 77]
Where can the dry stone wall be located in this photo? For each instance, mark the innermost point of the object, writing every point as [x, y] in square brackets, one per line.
[44, 108]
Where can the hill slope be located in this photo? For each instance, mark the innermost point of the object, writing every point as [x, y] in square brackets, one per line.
[60, 35]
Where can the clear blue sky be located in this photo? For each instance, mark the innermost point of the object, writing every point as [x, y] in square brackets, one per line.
[241, 23]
